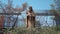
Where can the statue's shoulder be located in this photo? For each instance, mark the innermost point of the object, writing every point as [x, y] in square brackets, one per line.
[27, 11]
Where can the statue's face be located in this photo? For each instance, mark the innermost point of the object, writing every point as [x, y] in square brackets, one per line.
[30, 8]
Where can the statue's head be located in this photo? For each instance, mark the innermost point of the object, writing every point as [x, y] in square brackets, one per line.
[30, 8]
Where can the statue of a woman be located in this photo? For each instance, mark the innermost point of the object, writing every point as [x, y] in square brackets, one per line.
[30, 18]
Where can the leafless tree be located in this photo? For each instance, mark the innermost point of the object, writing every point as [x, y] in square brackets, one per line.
[8, 8]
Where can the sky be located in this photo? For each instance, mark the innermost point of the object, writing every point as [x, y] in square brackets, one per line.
[36, 4]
